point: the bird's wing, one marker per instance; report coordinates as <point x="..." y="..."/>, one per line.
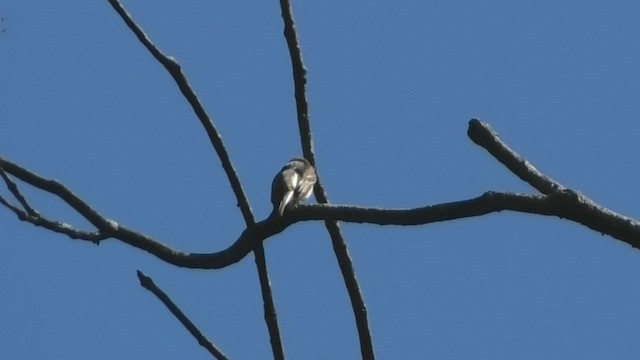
<point x="283" y="189"/>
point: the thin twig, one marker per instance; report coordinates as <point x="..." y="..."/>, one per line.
<point x="148" y="284"/>
<point x="175" y="71"/>
<point x="306" y="138"/>
<point x="55" y="226"/>
<point x="17" y="194"/>
<point x="56" y="188"/>
<point x="482" y="134"/>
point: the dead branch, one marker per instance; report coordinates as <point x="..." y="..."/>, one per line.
<point x="174" y="70"/>
<point x="147" y="283"/>
<point x="337" y="239"/>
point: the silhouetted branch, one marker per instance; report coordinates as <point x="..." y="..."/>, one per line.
<point x="306" y="138"/>
<point x="555" y="200"/>
<point x="148" y="284"/>
<point x="299" y="79"/>
<point x="482" y="134"/>
<point x="16" y="194"/>
<point x="269" y="309"/>
<point x="175" y="71"/>
<point x="55" y="226"/>
<point x="105" y="226"/>
<point x="566" y="203"/>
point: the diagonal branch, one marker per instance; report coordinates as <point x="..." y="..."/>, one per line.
<point x="339" y="245"/>
<point x="56" y="188"/>
<point x="56" y="226"/>
<point x="174" y="70"/>
<point x="148" y="284"/>
<point x="17" y="194"/>
<point x="482" y="134"/>
<point x="189" y="94"/>
<point x="31" y="215"/>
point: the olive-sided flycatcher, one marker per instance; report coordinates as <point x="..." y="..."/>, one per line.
<point x="292" y="185"/>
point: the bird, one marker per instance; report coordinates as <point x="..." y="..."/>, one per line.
<point x="292" y="185"/>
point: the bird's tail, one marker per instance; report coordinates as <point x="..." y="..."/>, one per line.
<point x="286" y="200"/>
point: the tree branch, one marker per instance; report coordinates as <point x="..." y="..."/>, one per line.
<point x="56" y="188"/>
<point x="55" y="226"/>
<point x="269" y="309"/>
<point x="148" y="284"/>
<point x="306" y="138"/>
<point x="17" y="194"/>
<point x="556" y="200"/>
<point x="566" y="204"/>
<point x="299" y="79"/>
<point x="482" y="134"/>
<point x="175" y="71"/>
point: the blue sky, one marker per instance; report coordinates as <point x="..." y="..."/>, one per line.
<point x="392" y="86"/>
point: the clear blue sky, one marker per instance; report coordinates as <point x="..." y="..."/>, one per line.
<point x="391" y="88"/>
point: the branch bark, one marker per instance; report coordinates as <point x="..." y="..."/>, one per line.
<point x="565" y="204"/>
<point x="337" y="239"/>
<point x="180" y="79"/>
<point x="147" y="283"/>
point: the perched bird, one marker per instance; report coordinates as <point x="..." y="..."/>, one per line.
<point x="292" y="185"/>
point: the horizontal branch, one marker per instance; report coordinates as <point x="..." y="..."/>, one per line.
<point x="565" y="204"/>
<point x="562" y="203"/>
<point x="55" y="226"/>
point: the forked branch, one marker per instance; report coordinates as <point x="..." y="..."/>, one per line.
<point x="567" y="204"/>
<point x="554" y="200"/>
<point x="180" y="79"/>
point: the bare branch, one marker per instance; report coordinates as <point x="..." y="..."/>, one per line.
<point x="353" y="289"/>
<point x="566" y="203"/>
<point x="55" y="226"/>
<point x="148" y="284"/>
<point x="299" y="79"/>
<point x="11" y="207"/>
<point x="482" y="134"/>
<point x="16" y="194"/>
<point x="189" y="94"/>
<point x="269" y="309"/>
<point x="175" y="71"/>
<point x="306" y="138"/>
<point x="56" y="188"/>
<point x="571" y="204"/>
